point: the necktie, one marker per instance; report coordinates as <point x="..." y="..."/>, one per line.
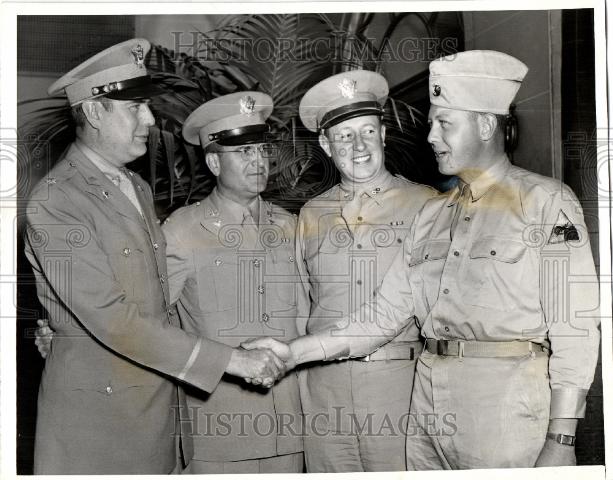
<point x="460" y="208"/>
<point x="351" y="210"/>
<point x="127" y="188"/>
<point x="250" y="230"/>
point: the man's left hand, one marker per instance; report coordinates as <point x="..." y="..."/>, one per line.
<point x="555" y="454"/>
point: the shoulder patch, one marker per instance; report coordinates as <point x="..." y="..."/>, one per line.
<point x="563" y="230"/>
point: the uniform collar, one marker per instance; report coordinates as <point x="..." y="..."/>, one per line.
<point x="370" y="189"/>
<point x="109" y="170"/>
<point x="232" y="212"/>
<point x="482" y="184"/>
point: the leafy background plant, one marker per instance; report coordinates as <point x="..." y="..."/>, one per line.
<point x="282" y="55"/>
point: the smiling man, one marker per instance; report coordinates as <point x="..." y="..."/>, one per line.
<point x="231" y="267"/>
<point x="356" y="410"/>
<point x="500" y="275"/>
<point x="105" y="402"/>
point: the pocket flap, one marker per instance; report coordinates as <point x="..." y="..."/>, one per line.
<point x="507" y="251"/>
<point x="432" y="250"/>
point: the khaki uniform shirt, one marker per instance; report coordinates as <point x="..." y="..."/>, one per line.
<point x="518" y="266"/>
<point x="235" y="280"/>
<point x="345" y="250"/>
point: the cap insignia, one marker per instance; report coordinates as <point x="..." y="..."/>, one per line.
<point x="347" y="87"/>
<point x="139" y="55"/>
<point x="247" y="105"/>
<point x="436" y="90"/>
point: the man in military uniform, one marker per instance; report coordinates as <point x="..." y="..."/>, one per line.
<point x="231" y="266"/>
<point x="356" y="410"/>
<point x="105" y="403"/>
<point x="500" y="275"/>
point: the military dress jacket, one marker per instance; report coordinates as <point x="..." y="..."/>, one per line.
<point x="505" y="258"/>
<point x="106" y="400"/>
<point x="233" y="282"/>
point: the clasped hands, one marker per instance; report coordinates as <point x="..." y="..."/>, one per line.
<point x="261" y="361"/>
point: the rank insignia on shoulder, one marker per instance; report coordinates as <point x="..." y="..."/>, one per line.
<point x="563" y="230"/>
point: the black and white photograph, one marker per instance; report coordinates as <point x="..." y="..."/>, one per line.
<point x="302" y="238"/>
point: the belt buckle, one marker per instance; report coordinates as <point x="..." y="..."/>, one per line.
<point x="442" y="347"/>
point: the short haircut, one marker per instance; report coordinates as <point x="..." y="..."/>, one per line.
<point x="212" y="148"/>
<point x="501" y="122"/>
<point x="78" y="115"/>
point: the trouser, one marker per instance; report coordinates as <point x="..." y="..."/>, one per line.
<point x="290" y="463"/>
<point x="356" y="415"/>
<point x="478" y="412"/>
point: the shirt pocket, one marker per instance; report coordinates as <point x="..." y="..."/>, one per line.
<point x="493" y="273"/>
<point x="281" y="275"/>
<point x="218" y="280"/>
<point x="430" y="251"/>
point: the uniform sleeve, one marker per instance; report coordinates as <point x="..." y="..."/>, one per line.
<point x="89" y="290"/>
<point x="179" y="264"/>
<point x="569" y="296"/>
<point x="376" y="322"/>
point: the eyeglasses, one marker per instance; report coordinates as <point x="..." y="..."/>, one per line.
<point x="250" y="152"/>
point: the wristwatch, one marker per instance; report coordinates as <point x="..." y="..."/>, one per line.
<point x="562" y="439"/>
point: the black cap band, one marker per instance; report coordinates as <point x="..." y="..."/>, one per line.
<point x="240" y="136"/>
<point x="130" y="89"/>
<point x="352" y="110"/>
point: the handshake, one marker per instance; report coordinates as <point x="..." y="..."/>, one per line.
<point x="261" y="361"/>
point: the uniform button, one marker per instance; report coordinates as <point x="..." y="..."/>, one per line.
<point x="155" y="246"/>
<point x="360" y="219"/>
<point x="467" y="218"/>
<point x="139" y="188"/>
<point x="261" y="290"/>
<point x="256" y="263"/>
<point x="359" y="245"/>
<point x="291" y="259"/>
<point x="265" y="317"/>
<point x="446" y="291"/>
<point x="126" y="251"/>
<point x="109" y="390"/>
<point x="493" y="252"/>
<point x="456" y="253"/>
<point x="218" y="261"/>
<point x="446" y="329"/>
<point x="426" y="256"/>
<point x="359" y="282"/>
<point x="197" y="203"/>
<point x="399" y="240"/>
<point x="170" y="311"/>
<point x="162" y="278"/>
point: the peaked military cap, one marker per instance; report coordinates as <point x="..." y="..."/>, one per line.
<point x="476" y="80"/>
<point x="118" y="72"/>
<point x="234" y="119"/>
<point x="343" y="96"/>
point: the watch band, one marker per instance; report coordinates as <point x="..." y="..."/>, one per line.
<point x="562" y="438"/>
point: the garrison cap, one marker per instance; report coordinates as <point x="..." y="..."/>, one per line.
<point x="118" y="72"/>
<point x="235" y="119"/>
<point x="476" y="80"/>
<point x="343" y="96"/>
